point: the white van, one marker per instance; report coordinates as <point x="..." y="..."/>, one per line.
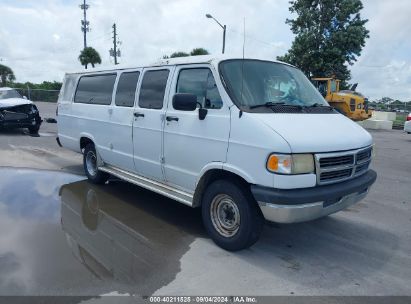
<point x="244" y="139"/>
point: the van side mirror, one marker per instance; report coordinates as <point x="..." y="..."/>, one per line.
<point x="188" y="102"/>
<point x="24" y="97"/>
<point x="184" y="102"/>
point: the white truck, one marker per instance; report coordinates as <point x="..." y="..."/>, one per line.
<point x="244" y="139"/>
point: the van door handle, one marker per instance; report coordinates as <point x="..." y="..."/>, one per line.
<point x="171" y="118"/>
<point x="137" y="114"/>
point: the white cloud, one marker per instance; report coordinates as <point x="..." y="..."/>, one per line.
<point x="41" y="39"/>
<point x="384" y="69"/>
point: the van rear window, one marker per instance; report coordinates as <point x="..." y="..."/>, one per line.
<point x="95" y="89"/>
<point x="66" y="92"/>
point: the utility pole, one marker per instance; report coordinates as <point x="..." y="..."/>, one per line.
<point x="84" y="23"/>
<point x="115" y="43"/>
<point x="115" y="52"/>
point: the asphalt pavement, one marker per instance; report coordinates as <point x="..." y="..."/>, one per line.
<point x="68" y="237"/>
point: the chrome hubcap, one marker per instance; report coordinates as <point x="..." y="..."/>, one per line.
<point x="225" y="215"/>
<point x="91" y="163"/>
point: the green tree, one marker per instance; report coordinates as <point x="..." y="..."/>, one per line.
<point x="6" y="75"/>
<point x="199" y="51"/>
<point x="194" y="52"/>
<point x="89" y="56"/>
<point x="179" y="54"/>
<point x="330" y="35"/>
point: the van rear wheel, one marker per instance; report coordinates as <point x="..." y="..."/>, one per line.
<point x="90" y="166"/>
<point x="231" y="216"/>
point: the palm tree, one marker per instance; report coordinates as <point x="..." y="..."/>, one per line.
<point x="89" y="56"/>
<point x="6" y="74"/>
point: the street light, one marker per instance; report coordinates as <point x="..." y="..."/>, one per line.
<point x="224" y="27"/>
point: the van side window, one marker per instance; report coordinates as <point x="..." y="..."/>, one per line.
<point x="126" y="89"/>
<point x="95" y="89"/>
<point x="153" y="89"/>
<point x="201" y="83"/>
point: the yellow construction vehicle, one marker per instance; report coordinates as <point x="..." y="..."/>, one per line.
<point x="348" y="102"/>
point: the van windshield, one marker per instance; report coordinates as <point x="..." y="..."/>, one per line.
<point x="259" y="86"/>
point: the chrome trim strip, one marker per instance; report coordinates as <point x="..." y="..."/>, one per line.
<point x="336" y="168"/>
<point x="163" y="189"/>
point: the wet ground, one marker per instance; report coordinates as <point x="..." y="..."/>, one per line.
<point x="65" y="236"/>
<point x="60" y="235"/>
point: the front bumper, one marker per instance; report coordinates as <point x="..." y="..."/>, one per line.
<point x="300" y="205"/>
<point x="31" y="121"/>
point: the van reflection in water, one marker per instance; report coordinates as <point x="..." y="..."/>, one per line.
<point x="123" y="233"/>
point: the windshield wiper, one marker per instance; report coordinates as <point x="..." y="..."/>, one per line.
<point x="273" y="105"/>
<point x="267" y="105"/>
<point x="276" y="104"/>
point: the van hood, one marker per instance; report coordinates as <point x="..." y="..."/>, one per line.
<point x="314" y="133"/>
<point x="12" y="102"/>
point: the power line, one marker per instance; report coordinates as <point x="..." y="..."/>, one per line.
<point x="101" y="36"/>
<point x="250" y="37"/>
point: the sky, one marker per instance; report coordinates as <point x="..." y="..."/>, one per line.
<point x="41" y="39"/>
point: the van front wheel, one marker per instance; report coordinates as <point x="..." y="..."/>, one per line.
<point x="231" y="216"/>
<point x="90" y="166"/>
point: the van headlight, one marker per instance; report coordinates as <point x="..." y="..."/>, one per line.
<point x="290" y="163"/>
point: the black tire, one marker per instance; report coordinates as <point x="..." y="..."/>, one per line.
<point x="34" y="129"/>
<point x="231" y="198"/>
<point x="90" y="166"/>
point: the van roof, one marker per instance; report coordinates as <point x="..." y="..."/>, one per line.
<point x="173" y="61"/>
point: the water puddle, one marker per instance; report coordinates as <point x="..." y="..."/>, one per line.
<point x="61" y="235"/>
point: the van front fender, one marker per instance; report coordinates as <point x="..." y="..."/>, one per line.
<point x="213" y="171"/>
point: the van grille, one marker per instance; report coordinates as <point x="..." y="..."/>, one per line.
<point x="335" y="175"/>
<point x="364" y="156"/>
<point x="337" y="167"/>
<point x="337" y="161"/>
<point x="362" y="168"/>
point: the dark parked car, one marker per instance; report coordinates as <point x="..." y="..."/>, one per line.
<point x="18" y="112"/>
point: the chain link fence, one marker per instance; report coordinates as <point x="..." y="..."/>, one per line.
<point x="39" y="94"/>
